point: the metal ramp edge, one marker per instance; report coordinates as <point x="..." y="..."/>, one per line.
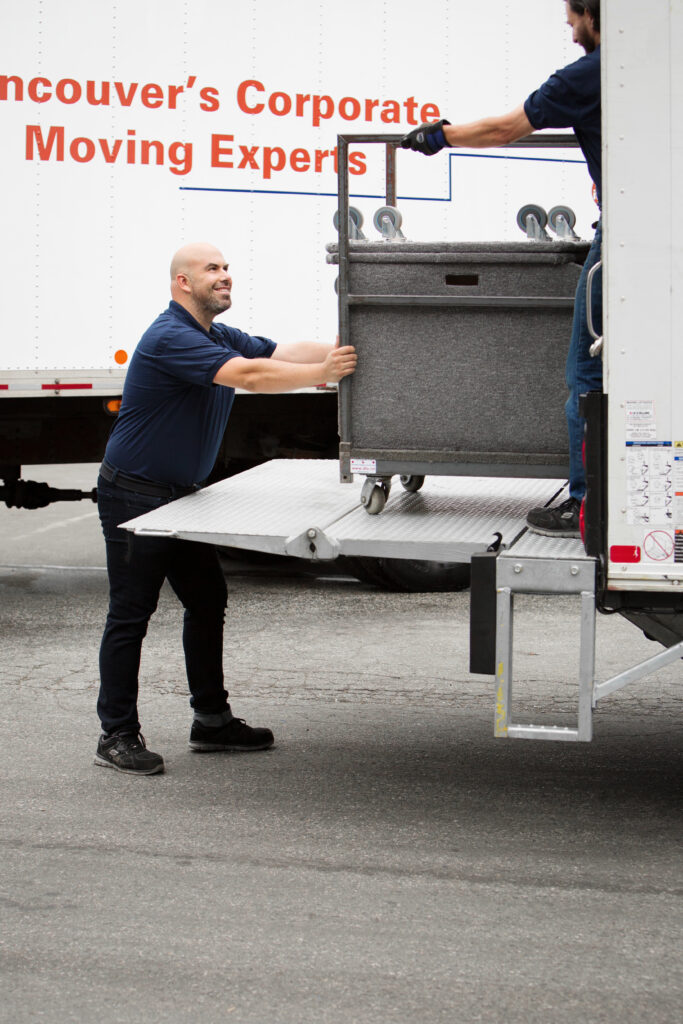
<point x="299" y="508"/>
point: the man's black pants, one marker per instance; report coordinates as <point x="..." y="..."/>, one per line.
<point x="137" y="568"/>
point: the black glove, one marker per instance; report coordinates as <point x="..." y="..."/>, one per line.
<point x="427" y="139"/>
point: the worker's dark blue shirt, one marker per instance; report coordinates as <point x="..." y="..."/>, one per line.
<point x="571" y="99"/>
<point x="173" y="416"/>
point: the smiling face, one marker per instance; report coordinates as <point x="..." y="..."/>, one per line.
<point x="583" y="29"/>
<point x="200" y="281"/>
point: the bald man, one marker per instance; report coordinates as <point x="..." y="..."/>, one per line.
<point x="176" y="402"/>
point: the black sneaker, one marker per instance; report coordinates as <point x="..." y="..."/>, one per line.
<point x="236" y="735"/>
<point x="126" y="751"/>
<point x="559" y="521"/>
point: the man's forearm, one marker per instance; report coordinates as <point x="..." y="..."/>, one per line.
<point x="489" y="131"/>
<point x="275" y="375"/>
<point x="302" y="352"/>
<point x="479" y="134"/>
<point x="271" y="376"/>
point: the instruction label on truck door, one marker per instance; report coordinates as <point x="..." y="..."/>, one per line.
<point x="678" y="484"/>
<point x="649" y="483"/>
<point x="641" y="424"/>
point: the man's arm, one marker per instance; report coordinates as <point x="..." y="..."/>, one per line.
<point x="302" y="352"/>
<point x="490" y="131"/>
<point x="486" y="133"/>
<point x="327" y="365"/>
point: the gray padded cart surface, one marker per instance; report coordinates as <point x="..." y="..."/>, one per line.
<point x="462" y="349"/>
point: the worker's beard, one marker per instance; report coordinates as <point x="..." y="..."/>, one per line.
<point x="586" y="38"/>
<point x="213" y="304"/>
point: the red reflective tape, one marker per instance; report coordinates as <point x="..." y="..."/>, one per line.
<point x="4" y="387"/>
<point x="66" y="387"/>
<point x="626" y="553"/>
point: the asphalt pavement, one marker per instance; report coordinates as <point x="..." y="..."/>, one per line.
<point x="387" y="862"/>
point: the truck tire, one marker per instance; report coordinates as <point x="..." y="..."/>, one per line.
<point x="410" y="575"/>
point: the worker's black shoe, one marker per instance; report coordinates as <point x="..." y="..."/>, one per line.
<point x="559" y="521"/>
<point x="235" y="735"/>
<point x="126" y="751"/>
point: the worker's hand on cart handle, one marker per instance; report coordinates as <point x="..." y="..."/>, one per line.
<point x="427" y="139"/>
<point x="339" y="363"/>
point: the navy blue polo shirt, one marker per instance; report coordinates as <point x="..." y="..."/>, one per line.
<point x="173" y="416"/>
<point x="571" y="99"/>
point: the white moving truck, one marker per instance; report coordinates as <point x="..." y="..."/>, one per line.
<point x="632" y="562"/>
<point x="129" y="129"/>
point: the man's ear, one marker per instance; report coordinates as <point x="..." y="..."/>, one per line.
<point x="183" y="282"/>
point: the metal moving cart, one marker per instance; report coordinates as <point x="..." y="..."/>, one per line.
<point x="432" y="323"/>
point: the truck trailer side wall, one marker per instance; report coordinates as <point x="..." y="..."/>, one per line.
<point x="128" y="131"/>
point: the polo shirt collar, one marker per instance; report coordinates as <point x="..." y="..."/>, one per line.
<point x="183" y="314"/>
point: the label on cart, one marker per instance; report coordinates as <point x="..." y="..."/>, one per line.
<point x="363" y="465"/>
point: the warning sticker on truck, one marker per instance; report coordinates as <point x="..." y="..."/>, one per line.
<point x="640" y="422"/>
<point x="658" y="546"/>
<point x="678" y="486"/>
<point x="649" y="484"/>
<point x="678" y="546"/>
<point x="629" y="554"/>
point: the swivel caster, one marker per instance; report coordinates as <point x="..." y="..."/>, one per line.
<point x="355" y="223"/>
<point x="412" y="483"/>
<point x="373" y="496"/>
<point x="562" y="220"/>
<point x="533" y="220"/>
<point x="388" y="222"/>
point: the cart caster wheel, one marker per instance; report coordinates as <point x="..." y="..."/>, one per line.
<point x="562" y="220"/>
<point x="388" y="222"/>
<point x="355" y="223"/>
<point x="533" y="220"/>
<point x="412" y="483"/>
<point x="373" y="496"/>
<point x="531" y="210"/>
<point x="561" y="211"/>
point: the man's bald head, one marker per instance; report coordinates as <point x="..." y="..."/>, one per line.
<point x="200" y="281"/>
<point x="193" y="255"/>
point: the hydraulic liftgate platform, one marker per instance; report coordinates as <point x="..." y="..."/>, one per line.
<point x="299" y="508"/>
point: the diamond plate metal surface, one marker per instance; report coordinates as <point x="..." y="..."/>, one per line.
<point x="449" y="519"/>
<point x="267" y="508"/>
<point x="263" y="506"/>
<point x="533" y="545"/>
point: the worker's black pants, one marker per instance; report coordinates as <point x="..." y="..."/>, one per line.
<point x="137" y="568"/>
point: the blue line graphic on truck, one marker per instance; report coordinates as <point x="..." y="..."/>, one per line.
<point x="364" y="195"/>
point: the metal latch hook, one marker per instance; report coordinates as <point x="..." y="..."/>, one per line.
<point x="597" y="346"/>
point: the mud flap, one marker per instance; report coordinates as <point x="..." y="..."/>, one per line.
<point x="483" y="613"/>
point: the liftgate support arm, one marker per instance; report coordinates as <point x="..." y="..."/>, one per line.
<point x="544" y="576"/>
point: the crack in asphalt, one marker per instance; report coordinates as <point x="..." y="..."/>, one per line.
<point x="322" y="866"/>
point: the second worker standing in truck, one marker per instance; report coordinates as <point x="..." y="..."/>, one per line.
<point x="570" y="98"/>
